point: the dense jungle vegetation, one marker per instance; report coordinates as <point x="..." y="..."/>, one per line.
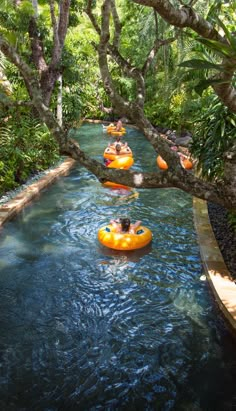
<point x="159" y="63"/>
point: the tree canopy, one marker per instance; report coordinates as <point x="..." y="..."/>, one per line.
<point x="140" y="65"/>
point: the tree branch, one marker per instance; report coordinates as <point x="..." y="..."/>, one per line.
<point x="182" y="17"/>
<point x="59" y="29"/>
<point x="153" y="52"/>
<point x="115" y="16"/>
<point x="36" y="46"/>
<point x="186" y="17"/>
<point x="56" y="43"/>
<point x="91" y="16"/>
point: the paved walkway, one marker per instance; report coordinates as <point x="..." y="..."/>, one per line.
<point x="224" y="288"/>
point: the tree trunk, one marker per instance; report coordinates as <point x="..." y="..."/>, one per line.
<point x="59" y="101"/>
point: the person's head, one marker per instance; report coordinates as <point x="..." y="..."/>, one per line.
<point x="118" y="139"/>
<point x="118" y="148"/>
<point x="125" y="224"/>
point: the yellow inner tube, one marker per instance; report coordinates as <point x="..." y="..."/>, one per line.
<point x="111" y="154"/>
<point x="122" y="162"/>
<point x="111" y="129"/>
<point x="124" y="241"/>
<point x="117" y="133"/>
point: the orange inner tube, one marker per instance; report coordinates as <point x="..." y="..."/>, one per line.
<point x="110" y="184"/>
<point x="111" y="153"/>
<point x="124" y="241"/>
<point x="185" y="163"/>
<point x="162" y="163"/>
<point x="123" y="163"/>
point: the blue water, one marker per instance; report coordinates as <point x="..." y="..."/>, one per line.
<point x="84" y="327"/>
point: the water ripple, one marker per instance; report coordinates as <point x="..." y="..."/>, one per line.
<point x="85" y="327"/>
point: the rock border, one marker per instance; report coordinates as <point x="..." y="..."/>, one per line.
<point x="220" y="280"/>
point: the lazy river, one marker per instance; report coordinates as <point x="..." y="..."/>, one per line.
<point x="84" y="327"/>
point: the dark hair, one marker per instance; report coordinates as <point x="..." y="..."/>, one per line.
<point x="118" y="147"/>
<point x="125" y="224"/>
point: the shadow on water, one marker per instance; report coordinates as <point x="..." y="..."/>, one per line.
<point x="84" y="327"/>
<point x="132" y="255"/>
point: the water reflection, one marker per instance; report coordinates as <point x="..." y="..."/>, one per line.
<point x="89" y="328"/>
<point x="128" y="256"/>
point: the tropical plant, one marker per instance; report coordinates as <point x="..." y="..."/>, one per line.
<point x="25" y="149"/>
<point x="215" y="133"/>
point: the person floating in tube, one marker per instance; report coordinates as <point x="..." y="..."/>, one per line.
<point x="123" y="225"/>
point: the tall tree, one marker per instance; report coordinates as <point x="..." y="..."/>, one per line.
<point x="40" y="84"/>
<point x="180" y="17"/>
<point x="50" y="71"/>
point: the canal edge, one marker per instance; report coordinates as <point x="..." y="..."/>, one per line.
<point x="218" y="275"/>
<point x="9" y="209"/>
<point x="220" y="280"/>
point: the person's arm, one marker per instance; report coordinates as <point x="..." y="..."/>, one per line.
<point x="115" y="224"/>
<point x="118" y="125"/>
<point x="182" y="156"/>
<point x="135" y="226"/>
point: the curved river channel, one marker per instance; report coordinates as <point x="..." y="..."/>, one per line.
<point x="84" y="327"/>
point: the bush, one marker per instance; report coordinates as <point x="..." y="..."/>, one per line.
<point x="26" y="148"/>
<point x="215" y="132"/>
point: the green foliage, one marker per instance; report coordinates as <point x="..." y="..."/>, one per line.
<point x="26" y="147"/>
<point x="215" y="132"/>
<point x="213" y="52"/>
<point x="222" y="49"/>
<point x="71" y="104"/>
<point x="200" y="64"/>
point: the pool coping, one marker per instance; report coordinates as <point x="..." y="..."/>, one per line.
<point x="218" y="275"/>
<point x="9" y="209"/>
<point x="220" y="280"/>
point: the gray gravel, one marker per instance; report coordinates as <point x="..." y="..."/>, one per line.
<point x="225" y="235"/>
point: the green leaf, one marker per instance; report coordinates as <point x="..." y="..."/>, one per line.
<point x="200" y="65"/>
<point x="204" y="84"/>
<point x="26" y="7"/>
<point x="231" y="39"/>
<point x="219" y="47"/>
<point x="222" y="131"/>
<point x="10" y="36"/>
<point x="231" y="120"/>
